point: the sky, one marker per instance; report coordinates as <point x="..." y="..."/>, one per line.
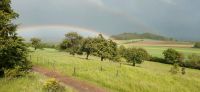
<point x="173" y="18"/>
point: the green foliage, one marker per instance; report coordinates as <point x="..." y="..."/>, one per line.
<point x="175" y="68"/>
<point x="36" y="43"/>
<point x="15" y="72"/>
<point x="105" y="48"/>
<point x="52" y="85"/>
<point x="173" y="56"/>
<point x="135" y="55"/>
<point x="13" y="51"/>
<point x="88" y="46"/>
<point x="72" y="43"/>
<point x="197" y="45"/>
<point x="183" y="70"/>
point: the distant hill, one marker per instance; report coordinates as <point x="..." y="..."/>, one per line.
<point x="129" y="36"/>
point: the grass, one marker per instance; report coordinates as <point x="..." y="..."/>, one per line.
<point x="33" y="82"/>
<point x="157" y="50"/>
<point x="148" y="77"/>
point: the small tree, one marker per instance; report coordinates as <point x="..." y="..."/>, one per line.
<point x="88" y="46"/>
<point x="105" y="48"/>
<point x="135" y="55"/>
<point x="35" y="42"/>
<point x="72" y="42"/>
<point x="172" y="56"/>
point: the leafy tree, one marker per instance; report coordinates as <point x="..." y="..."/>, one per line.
<point x="197" y="45"/>
<point x="135" y="55"/>
<point x="72" y="42"/>
<point x="36" y="42"/>
<point x="173" y="56"/>
<point x="113" y="51"/>
<point x="13" y="51"/>
<point x="88" y="46"/>
<point x="105" y="48"/>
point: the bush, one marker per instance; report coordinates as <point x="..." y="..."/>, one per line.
<point x="173" y="56"/>
<point x="197" y="45"/>
<point x="160" y="60"/>
<point x="175" y="69"/>
<point x="15" y="72"/>
<point x="52" y="85"/>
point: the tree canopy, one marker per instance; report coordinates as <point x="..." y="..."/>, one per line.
<point x="13" y="51"/>
<point x="36" y="42"/>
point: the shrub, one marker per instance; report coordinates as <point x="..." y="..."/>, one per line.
<point x="197" y="45"/>
<point x="14" y="72"/>
<point x="175" y="69"/>
<point x="173" y="56"/>
<point x="52" y="85"/>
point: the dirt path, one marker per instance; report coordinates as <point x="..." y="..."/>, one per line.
<point x="78" y="85"/>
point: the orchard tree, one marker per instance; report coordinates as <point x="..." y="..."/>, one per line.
<point x="13" y="51"/>
<point x="36" y="42"/>
<point x="73" y="42"/>
<point x="113" y="51"/>
<point x="88" y="46"/>
<point x="105" y="48"/>
<point x="135" y="55"/>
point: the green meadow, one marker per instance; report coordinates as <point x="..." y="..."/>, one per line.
<point x="158" y="50"/>
<point x="115" y="77"/>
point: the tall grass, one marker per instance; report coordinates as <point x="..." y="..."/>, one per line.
<point x="33" y="82"/>
<point x="148" y="77"/>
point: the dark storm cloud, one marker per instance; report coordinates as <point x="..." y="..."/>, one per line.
<point x="175" y="18"/>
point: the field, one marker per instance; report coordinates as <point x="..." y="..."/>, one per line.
<point x="156" y="48"/>
<point x="33" y="82"/>
<point x="147" y="77"/>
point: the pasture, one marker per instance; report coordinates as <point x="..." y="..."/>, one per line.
<point x="156" y="48"/>
<point x="147" y="77"/>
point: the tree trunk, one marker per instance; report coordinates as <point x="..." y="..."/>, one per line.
<point x="35" y="48"/>
<point x="133" y="63"/>
<point x="102" y="58"/>
<point x="87" y="57"/>
<point x="1" y="73"/>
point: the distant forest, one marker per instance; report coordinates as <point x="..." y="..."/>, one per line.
<point x="129" y="36"/>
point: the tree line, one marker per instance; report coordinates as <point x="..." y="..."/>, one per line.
<point x="101" y="47"/>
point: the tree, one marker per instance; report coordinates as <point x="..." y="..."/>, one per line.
<point x="88" y="46"/>
<point x="72" y="42"/>
<point x="105" y="48"/>
<point x="173" y="56"/>
<point x="36" y="42"/>
<point x="197" y="45"/>
<point x="13" y="51"/>
<point x="135" y="55"/>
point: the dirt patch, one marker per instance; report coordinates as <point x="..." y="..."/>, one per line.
<point x="80" y="86"/>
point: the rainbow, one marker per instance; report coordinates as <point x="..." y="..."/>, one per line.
<point x="67" y="27"/>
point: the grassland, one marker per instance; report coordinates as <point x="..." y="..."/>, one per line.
<point x="33" y="82"/>
<point x="156" y="48"/>
<point x="147" y="77"/>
